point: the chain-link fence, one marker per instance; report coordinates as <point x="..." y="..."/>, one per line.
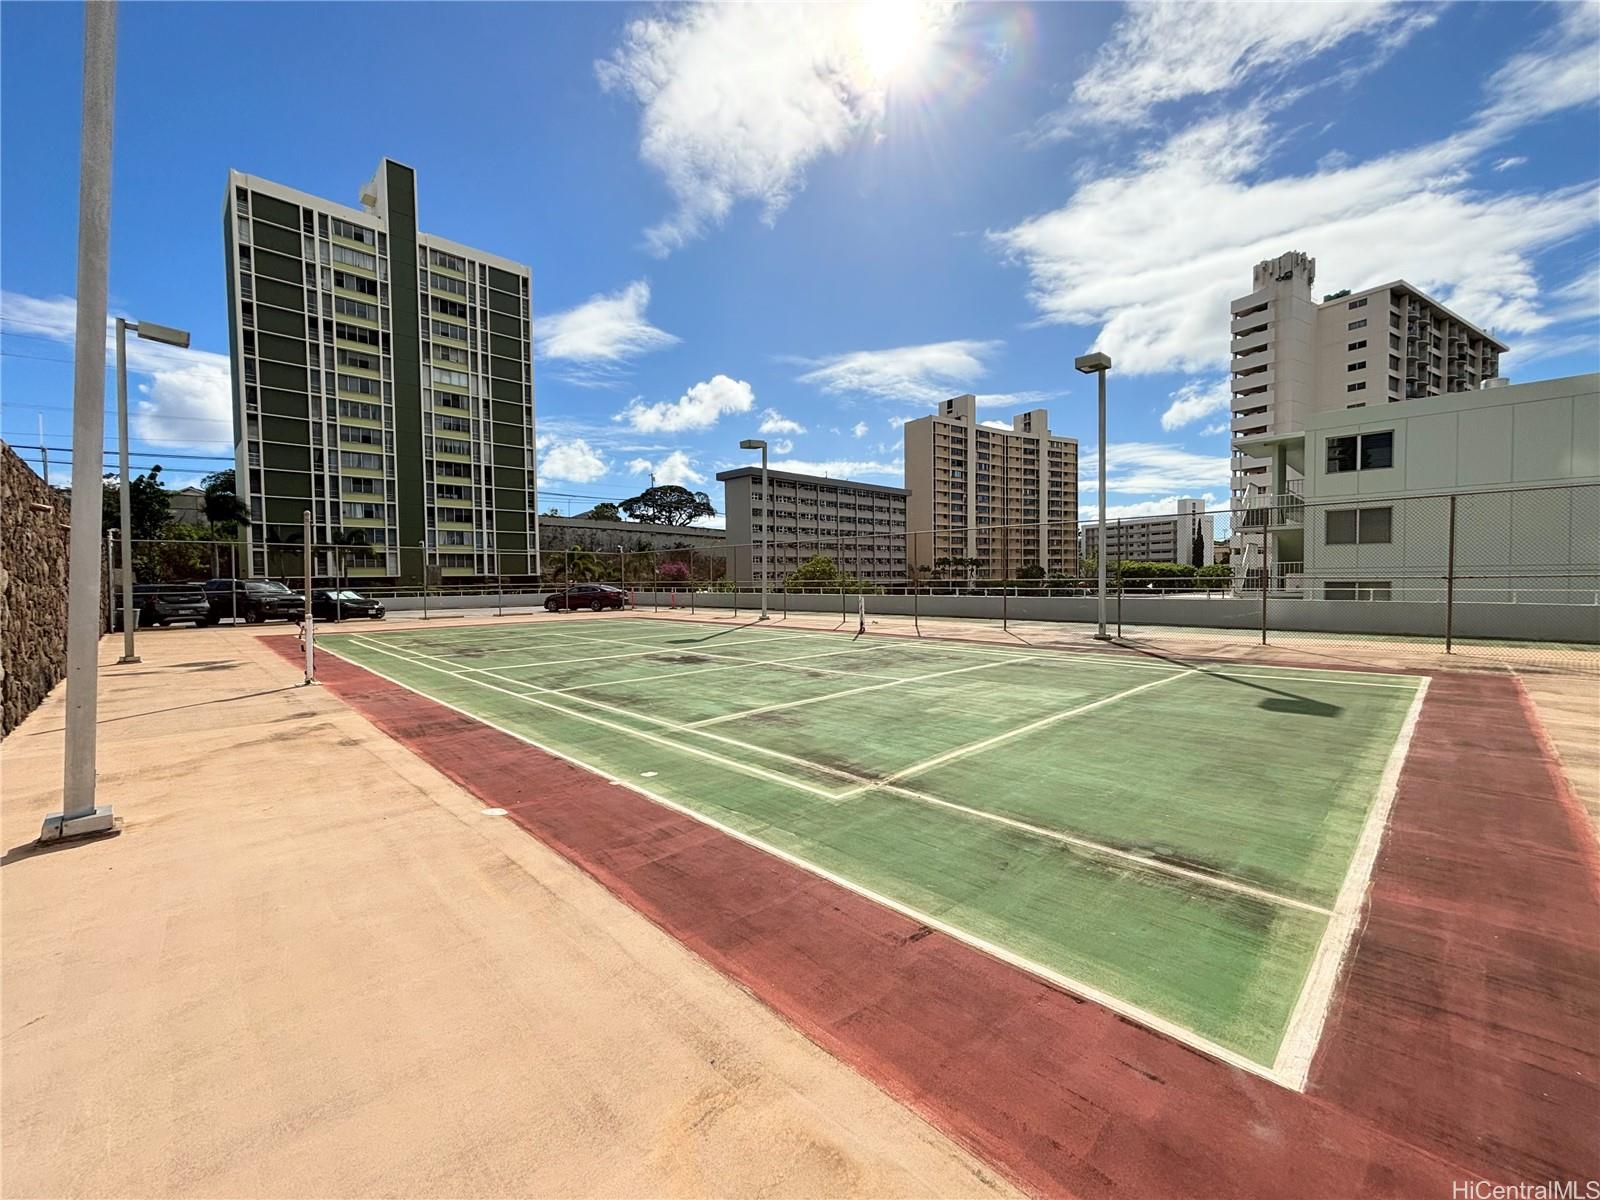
<point x="1511" y="567"/>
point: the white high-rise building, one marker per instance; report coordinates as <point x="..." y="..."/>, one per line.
<point x="1294" y="356"/>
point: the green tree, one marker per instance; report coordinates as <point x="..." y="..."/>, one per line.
<point x="821" y="573"/>
<point x="224" y="511"/>
<point x="604" y="511"/>
<point x="150" y="508"/>
<point x="180" y="554"/>
<point x="668" y="504"/>
<point x="1030" y="571"/>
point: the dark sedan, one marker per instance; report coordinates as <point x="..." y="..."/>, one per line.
<point x="593" y="596"/>
<point x="337" y="604"/>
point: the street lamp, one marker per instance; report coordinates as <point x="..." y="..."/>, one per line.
<point x="1099" y="364"/>
<point x="766" y="515"/>
<point x="167" y="336"/>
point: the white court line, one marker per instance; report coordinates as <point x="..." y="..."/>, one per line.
<point x="645" y="734"/>
<point x="1304" y="1031"/>
<point x="732" y="660"/>
<point x="734" y="665"/>
<point x="871" y="687"/>
<point x="1101" y="848"/>
<point x="939" y="760"/>
<point x="1049" y="975"/>
<point x="560" y="662"/>
<point x="870" y="785"/>
<point x="1332" y="675"/>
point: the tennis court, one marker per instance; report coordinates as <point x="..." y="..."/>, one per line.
<point x="1186" y="843"/>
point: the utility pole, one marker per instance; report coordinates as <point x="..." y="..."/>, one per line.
<point x="80" y="815"/>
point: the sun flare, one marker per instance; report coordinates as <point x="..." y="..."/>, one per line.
<point x="893" y="37"/>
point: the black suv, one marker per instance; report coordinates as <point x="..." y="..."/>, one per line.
<point x="256" y="600"/>
<point x="595" y="596"/>
<point x="166" y="603"/>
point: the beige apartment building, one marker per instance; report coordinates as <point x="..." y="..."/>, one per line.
<point x="860" y="526"/>
<point x="1006" y="497"/>
<point x="1294" y="357"/>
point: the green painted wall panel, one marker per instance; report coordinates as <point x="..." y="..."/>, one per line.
<point x="276" y="320"/>
<point x="270" y="237"/>
<point x="506" y="389"/>
<point x="288" y="483"/>
<point x="508" y="369"/>
<point x="284" y="429"/>
<point x="505" y="281"/>
<point x="277" y="266"/>
<point x="502" y="324"/>
<point x="502" y="303"/>
<point x="270" y="291"/>
<point x="406" y="344"/>
<point x="273" y="209"/>
<point x="281" y="348"/>
<point x="285" y="458"/>
<point x="284" y="404"/>
<point x="279" y="375"/>
<point x="508" y="456"/>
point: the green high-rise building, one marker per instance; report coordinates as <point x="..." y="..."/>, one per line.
<point x="383" y="379"/>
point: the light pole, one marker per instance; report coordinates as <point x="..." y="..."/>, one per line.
<point x="167" y="336"/>
<point x="766" y="515"/>
<point x="1099" y="364"/>
<point x="79" y="814"/>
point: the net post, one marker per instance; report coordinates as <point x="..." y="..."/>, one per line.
<point x="308" y="620"/>
<point x="916" y="614"/>
<point x="1450" y="582"/>
<point x="785" y="604"/>
<point x="861" y="610"/>
<point x="1264" y="569"/>
<point x="1119" y="585"/>
<point x="1005" y="616"/>
<point x="499" y="588"/>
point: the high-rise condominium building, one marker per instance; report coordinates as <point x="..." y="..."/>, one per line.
<point x="1293" y="356"/>
<point x="1185" y="536"/>
<point x="383" y="379"/>
<point x="1006" y="497"/>
<point x="860" y="526"/>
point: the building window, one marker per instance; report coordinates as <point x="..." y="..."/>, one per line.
<point x="1361" y="345"/>
<point x="1356" y="366"/>
<point x="355" y="283"/>
<point x="1361" y="324"/>
<point x="354" y="233"/>
<point x="1358" y="526"/>
<point x="355" y="258"/>
<point x="1355" y="387"/>
<point x="1361" y="303"/>
<point x="347" y="307"/>
<point x="1374" y="589"/>
<point x="1377" y="450"/>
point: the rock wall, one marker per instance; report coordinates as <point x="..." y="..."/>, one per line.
<point x="33" y="588"/>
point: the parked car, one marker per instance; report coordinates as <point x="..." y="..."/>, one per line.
<point x="594" y="596"/>
<point x="165" y="604"/>
<point x="253" y="600"/>
<point x="335" y="604"/>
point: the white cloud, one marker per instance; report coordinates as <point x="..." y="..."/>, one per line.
<point x="1187" y="220"/>
<point x="859" y="429"/>
<point x="773" y="421"/>
<point x="995" y="424"/>
<point x="1196" y="400"/>
<point x="841" y="468"/>
<point x="573" y="461"/>
<point x="916" y="374"/>
<point x="1515" y="160"/>
<point x="605" y="328"/>
<point x="698" y="408"/>
<point x="676" y="468"/>
<point x="187" y="399"/>
<point x="738" y="100"/>
<point x="1147" y="467"/>
<point x="1162" y="52"/>
<point x="783" y="446"/>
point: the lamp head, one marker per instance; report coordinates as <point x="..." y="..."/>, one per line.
<point x="752" y="444"/>
<point x="166" y="334"/>
<point x="1090" y="363"/>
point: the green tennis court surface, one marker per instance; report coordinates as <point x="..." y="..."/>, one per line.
<point x="1187" y="844"/>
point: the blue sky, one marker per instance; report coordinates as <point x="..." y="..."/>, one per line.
<point x="820" y="221"/>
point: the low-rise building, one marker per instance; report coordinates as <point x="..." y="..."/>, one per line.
<point x="1186" y="536"/>
<point x="1498" y="488"/>
<point x="860" y="526"/>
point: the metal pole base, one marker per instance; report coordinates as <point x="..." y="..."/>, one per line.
<point x="129" y="658"/>
<point x="763" y="617"/>
<point x="58" y="827"/>
<point x="1103" y="637"/>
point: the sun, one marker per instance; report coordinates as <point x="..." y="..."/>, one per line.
<point x="892" y="37"/>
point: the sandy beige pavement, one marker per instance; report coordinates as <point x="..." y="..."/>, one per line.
<point x="311" y="966"/>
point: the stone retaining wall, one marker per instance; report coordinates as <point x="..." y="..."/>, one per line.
<point x="33" y="588"/>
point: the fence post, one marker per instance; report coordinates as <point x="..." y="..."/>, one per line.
<point x="785" y="604"/>
<point x="1450" y="581"/>
<point x="843" y="615"/>
<point x="499" y="589"/>
<point x="916" y="615"/>
<point x="1264" y="571"/>
<point x="1119" y="597"/>
<point x="1005" y="619"/>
